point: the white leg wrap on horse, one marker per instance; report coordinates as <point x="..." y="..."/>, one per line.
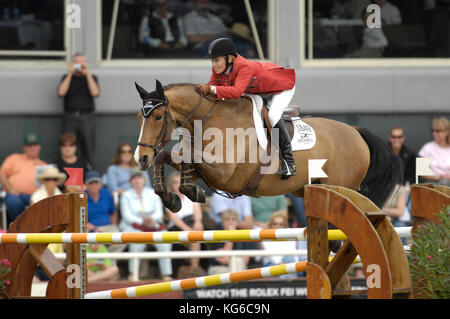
<point x="278" y="104"/>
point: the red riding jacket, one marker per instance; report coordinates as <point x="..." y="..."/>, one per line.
<point x="268" y="78"/>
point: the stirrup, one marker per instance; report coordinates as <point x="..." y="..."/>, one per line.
<point x="286" y="170"/>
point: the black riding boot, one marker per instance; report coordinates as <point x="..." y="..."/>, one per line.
<point x="287" y="168"/>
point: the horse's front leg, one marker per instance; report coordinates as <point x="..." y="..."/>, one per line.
<point x="194" y="192"/>
<point x="169" y="199"/>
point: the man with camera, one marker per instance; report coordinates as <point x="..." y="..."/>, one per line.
<point x="79" y="87"/>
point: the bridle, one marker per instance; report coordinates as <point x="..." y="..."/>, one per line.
<point x="149" y="107"/>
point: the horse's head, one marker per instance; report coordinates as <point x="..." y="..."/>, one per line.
<point x="154" y="121"/>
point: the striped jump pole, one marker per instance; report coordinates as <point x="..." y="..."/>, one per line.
<point x="155" y="237"/>
<point x="199" y="282"/>
<point x="299" y="234"/>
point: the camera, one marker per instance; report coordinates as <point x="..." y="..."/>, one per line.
<point x="77" y="67"/>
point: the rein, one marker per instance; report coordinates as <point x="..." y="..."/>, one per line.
<point x="160" y="143"/>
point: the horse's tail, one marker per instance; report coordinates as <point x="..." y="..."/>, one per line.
<point x="385" y="169"/>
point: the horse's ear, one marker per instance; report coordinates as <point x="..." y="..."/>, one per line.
<point x="159" y="88"/>
<point x="142" y="92"/>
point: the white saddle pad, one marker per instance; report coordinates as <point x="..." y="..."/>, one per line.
<point x="304" y="136"/>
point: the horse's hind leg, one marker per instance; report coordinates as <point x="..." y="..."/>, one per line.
<point x="194" y="192"/>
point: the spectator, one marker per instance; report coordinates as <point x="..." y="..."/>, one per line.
<point x="374" y="41"/>
<point x="279" y="220"/>
<point x="201" y="27"/>
<point x="18" y="173"/>
<point x="298" y="205"/>
<point x="49" y="179"/>
<point x="68" y="158"/>
<point x="188" y="218"/>
<point x="395" y="206"/>
<point x="222" y="265"/>
<point x="242" y="205"/>
<point x="142" y="210"/>
<point x="408" y="157"/>
<point x="118" y="173"/>
<point x="79" y="87"/>
<point x="348" y="9"/>
<point x="439" y="150"/>
<point x="100" y="269"/>
<point x="264" y="206"/>
<point x="161" y="29"/>
<point x="102" y="215"/>
<point x="390" y="14"/>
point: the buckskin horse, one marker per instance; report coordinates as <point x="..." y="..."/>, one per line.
<point x="356" y="158"/>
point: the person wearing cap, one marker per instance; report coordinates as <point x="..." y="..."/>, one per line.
<point x="18" y="173"/>
<point x="142" y="210"/>
<point x="233" y="75"/>
<point x="101" y="208"/>
<point x="50" y="178"/>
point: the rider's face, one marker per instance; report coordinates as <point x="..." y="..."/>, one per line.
<point x="219" y="64"/>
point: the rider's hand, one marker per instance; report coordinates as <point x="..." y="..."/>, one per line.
<point x="204" y="88"/>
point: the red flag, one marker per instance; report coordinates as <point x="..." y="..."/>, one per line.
<point x="75" y="176"/>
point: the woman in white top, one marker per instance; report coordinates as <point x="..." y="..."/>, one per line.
<point x="279" y="220"/>
<point x="142" y="209"/>
<point x="188" y="218"/>
<point x="50" y="178"/>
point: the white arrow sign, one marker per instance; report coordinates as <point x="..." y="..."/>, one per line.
<point x="315" y="169"/>
<point x="423" y="167"/>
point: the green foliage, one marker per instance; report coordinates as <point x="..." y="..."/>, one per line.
<point x="430" y="258"/>
<point x="5" y="268"/>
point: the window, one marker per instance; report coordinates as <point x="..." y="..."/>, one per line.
<point x="32" y="29"/>
<point x="409" y="29"/>
<point x="178" y="29"/>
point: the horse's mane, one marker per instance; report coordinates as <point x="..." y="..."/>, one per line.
<point x="172" y="85"/>
<point x="169" y="86"/>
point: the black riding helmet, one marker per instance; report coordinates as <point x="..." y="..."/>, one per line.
<point x="222" y="47"/>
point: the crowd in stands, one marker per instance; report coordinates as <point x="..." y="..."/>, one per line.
<point x="123" y="199"/>
<point x="27" y="179"/>
<point x="348" y="28"/>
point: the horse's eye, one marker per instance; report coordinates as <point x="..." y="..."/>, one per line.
<point x="158" y="117"/>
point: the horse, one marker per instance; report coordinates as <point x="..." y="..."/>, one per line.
<point x="356" y="158"/>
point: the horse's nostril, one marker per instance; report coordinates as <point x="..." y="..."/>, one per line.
<point x="143" y="160"/>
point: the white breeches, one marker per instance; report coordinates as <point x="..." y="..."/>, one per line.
<point x="278" y="104"/>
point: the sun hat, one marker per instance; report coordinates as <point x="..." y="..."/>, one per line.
<point x="51" y="172"/>
<point x="242" y="31"/>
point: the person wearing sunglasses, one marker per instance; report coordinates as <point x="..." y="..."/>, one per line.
<point x="68" y="158"/>
<point x="118" y="173"/>
<point x="49" y="179"/>
<point x="408" y="157"/>
<point x="439" y="150"/>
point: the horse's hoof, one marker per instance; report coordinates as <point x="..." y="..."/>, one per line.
<point x="194" y="192"/>
<point x="172" y="202"/>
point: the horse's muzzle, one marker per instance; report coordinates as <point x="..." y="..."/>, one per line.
<point x="143" y="161"/>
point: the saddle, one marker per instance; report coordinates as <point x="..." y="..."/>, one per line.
<point x="286" y="117"/>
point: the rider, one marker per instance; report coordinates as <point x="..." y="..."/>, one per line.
<point x="233" y="75"/>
